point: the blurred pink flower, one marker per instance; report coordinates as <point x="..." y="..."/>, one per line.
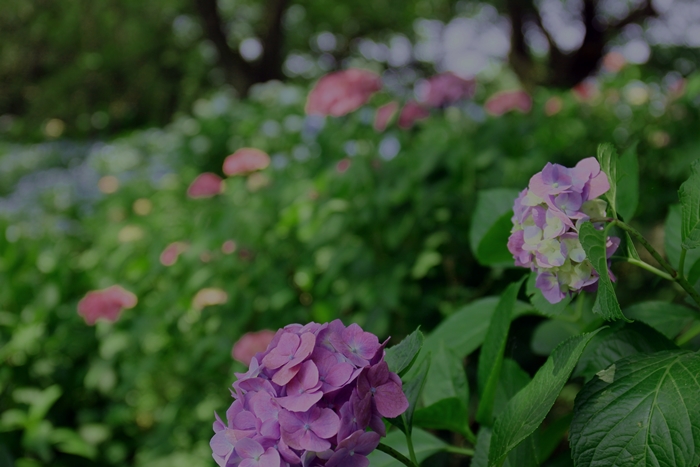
<point x="505" y="101"/>
<point x="205" y="185"/>
<point x="384" y="114"/>
<point x="169" y="256"/>
<point x="342" y="165"/>
<point x="342" y="92"/>
<point x="245" y="160"/>
<point x="251" y="343"/>
<point x="105" y="303"/>
<point x="553" y="106"/>
<point x="228" y="247"/>
<point x="411" y="113"/>
<point x="586" y="90"/>
<point x="445" y="89"/>
<point x="613" y="62"/>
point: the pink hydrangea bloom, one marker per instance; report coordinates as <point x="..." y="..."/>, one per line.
<point x="411" y="113"/>
<point x="546" y="218"/>
<point x="205" y="185"/>
<point x="245" y="160"/>
<point x="308" y="398"/>
<point x="341" y="92"/>
<point x="105" y="304"/>
<point x="445" y="89"/>
<point x="384" y="114"/>
<point x="172" y="252"/>
<point x="506" y="101"/>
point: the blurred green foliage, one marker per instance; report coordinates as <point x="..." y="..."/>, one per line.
<point x="383" y="242"/>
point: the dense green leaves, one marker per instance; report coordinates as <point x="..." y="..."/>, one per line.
<point x="529" y="407"/>
<point x="491" y="356"/>
<point x="608" y="159"/>
<point x="618" y="341"/>
<point x="401" y="356"/>
<point x="646" y="413"/>
<point x="669" y="319"/>
<point x="593" y="242"/>
<point x="689" y="195"/>
<point x="490" y="226"/>
<point x="673" y="241"/>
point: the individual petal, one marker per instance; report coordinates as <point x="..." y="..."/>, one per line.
<point x="326" y="425"/>
<point x="598" y="185"/>
<point x="249" y="449"/>
<point x="220" y="444"/>
<point x="271" y="458"/>
<point x="390" y="399"/>
<point x="301" y="402"/>
<point x="283" y="352"/>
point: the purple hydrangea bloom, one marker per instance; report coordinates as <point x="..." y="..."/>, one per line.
<point x="546" y="217"/>
<point x="308" y="399"/>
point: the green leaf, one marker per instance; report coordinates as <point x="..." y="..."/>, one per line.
<point x="607" y="157"/>
<point x="549" y="334"/>
<point x="490" y="226"/>
<point x="401" y="356"/>
<point x="672" y="241"/>
<point x="627" y="183"/>
<point x="70" y="442"/>
<point x="524" y="455"/>
<point x="528" y="408"/>
<point x="667" y="318"/>
<point x="540" y="303"/>
<point x="648" y="416"/>
<point x="446" y="378"/>
<point x="689" y="195"/>
<point x="512" y="380"/>
<point x="491" y="356"/>
<point x="445" y="414"/>
<point x="619" y="341"/>
<point x="424" y="445"/>
<point x="412" y="388"/>
<point x="593" y="242"/>
<point x="464" y="331"/>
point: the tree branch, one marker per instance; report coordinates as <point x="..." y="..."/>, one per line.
<point x="634" y="17"/>
<point x="270" y="65"/>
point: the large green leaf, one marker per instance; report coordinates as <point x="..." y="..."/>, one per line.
<point x="689" y="195"/>
<point x="464" y="331"/>
<point x="524" y="455"/>
<point x="669" y="319"/>
<point x="512" y="380"/>
<point x="593" y="242"/>
<point x="627" y="183"/>
<point x="549" y="334"/>
<point x="607" y="156"/>
<point x="424" y="444"/>
<point x="401" y="356"/>
<point x="618" y="341"/>
<point x="645" y="412"/>
<point x="446" y="378"/>
<point x="490" y="227"/>
<point x="526" y="411"/>
<point x="491" y="356"/>
<point x="672" y="241"/>
<point x="446" y="414"/>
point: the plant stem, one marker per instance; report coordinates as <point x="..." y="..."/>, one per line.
<point x="458" y="450"/>
<point x="411" y="452"/>
<point x="678" y="278"/>
<point x="688" y="335"/>
<point x="649" y="268"/>
<point x="396" y="455"/>
<point x="681" y="263"/>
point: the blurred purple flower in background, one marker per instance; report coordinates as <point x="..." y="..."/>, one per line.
<point x="308" y="399"/>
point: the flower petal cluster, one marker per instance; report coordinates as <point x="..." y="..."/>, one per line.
<point x="308" y="399"/>
<point x="546" y="219"/>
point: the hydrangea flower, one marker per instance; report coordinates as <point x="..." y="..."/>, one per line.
<point x="546" y="219"/>
<point x="308" y="400"/>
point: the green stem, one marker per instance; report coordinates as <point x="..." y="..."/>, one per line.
<point x="681" y="263"/>
<point x="688" y="335"/>
<point x="396" y="455"/>
<point x="678" y="278"/>
<point x="458" y="450"/>
<point x="411" y="452"/>
<point x="649" y="268"/>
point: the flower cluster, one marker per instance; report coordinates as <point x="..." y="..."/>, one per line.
<point x="547" y="216"/>
<point x="308" y="400"/>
